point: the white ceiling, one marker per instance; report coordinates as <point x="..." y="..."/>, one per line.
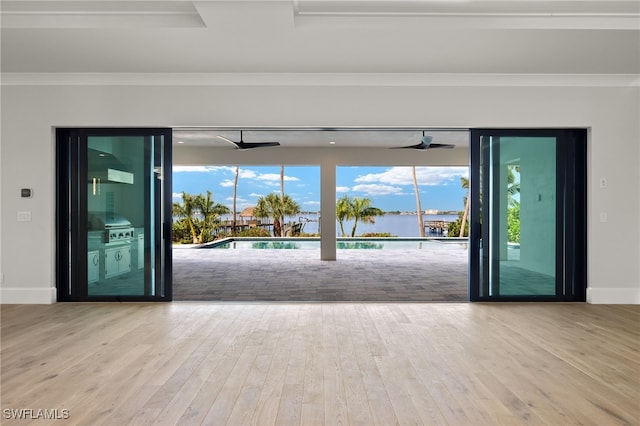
<point x="319" y="138"/>
<point x="474" y="36"/>
<point x="325" y="39"/>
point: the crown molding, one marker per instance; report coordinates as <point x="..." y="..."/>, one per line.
<point x="521" y="14"/>
<point x="99" y="14"/>
<point x="320" y="79"/>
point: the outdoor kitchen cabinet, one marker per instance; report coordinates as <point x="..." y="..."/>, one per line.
<point x="93" y="266"/>
<point x="117" y="261"/>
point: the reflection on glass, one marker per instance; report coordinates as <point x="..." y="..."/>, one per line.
<point x="117" y="210"/>
<point x="522" y="216"/>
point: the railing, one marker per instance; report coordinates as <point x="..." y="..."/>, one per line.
<point x="227" y="225"/>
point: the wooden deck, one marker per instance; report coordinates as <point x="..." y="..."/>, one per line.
<point x="322" y="363"/>
<point x="436" y="226"/>
<point x="241" y="225"/>
<point x="227" y="226"/>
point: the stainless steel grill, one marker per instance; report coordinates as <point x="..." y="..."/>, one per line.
<point x="117" y="228"/>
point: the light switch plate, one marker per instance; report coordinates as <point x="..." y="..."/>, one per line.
<point x="24" y="216"/>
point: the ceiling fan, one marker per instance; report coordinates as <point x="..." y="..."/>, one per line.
<point x="425" y="143"/>
<point x="242" y="145"/>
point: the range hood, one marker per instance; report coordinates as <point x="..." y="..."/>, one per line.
<point x="106" y="168"/>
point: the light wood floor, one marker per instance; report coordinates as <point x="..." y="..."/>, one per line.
<point x="322" y="363"/>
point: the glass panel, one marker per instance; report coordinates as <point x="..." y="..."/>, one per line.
<point x="521" y="228"/>
<point x="120" y="221"/>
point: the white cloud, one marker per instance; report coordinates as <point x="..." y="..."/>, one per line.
<point x="311" y="203"/>
<point x="254" y="194"/>
<point x="200" y="169"/>
<point x="226" y="183"/>
<point x="245" y="173"/>
<point x="342" y="189"/>
<point x="177" y="195"/>
<point x="377" y="189"/>
<point x="275" y="177"/>
<point x="242" y="173"/>
<point x="431" y="176"/>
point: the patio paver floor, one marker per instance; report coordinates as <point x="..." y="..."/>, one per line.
<point x="300" y="275"/>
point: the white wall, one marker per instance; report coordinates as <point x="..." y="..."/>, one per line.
<point x="30" y="112"/>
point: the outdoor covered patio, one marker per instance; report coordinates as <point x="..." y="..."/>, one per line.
<point x="299" y="275"/>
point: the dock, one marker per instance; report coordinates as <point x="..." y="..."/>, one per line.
<point x="241" y="225"/>
<point x="436" y="226"/>
<point x="292" y="228"/>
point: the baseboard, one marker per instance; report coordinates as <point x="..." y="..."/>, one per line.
<point x="613" y="296"/>
<point x="13" y="295"/>
<point x="28" y="296"/>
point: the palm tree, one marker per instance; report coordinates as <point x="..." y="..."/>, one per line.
<point x="282" y="191"/>
<point x="361" y="209"/>
<point x="210" y="212"/>
<point x="418" y="204"/>
<point x="358" y="209"/>
<point x="343" y="211"/>
<point x="465" y="184"/>
<point x="186" y="210"/>
<point x="513" y="203"/>
<point x="235" y="192"/>
<point x="513" y="184"/>
<point x="274" y="207"/>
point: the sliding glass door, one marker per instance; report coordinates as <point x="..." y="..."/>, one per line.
<point x="114" y="207"/>
<point x="528" y="208"/>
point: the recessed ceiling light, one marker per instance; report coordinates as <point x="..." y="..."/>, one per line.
<point x="180" y="142"/>
<point x="332" y="142"/>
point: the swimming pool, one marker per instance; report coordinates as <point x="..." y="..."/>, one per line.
<point x="341" y="244"/>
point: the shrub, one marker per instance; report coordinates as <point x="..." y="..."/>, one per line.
<point x="180" y="232"/>
<point x="513" y="223"/>
<point x="377" y="235"/>
<point x="454" y="227"/>
<point x="254" y="232"/>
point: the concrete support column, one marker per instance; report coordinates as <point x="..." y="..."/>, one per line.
<point x="328" y="210"/>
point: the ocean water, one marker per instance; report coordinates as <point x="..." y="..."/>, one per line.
<point x="395" y="224"/>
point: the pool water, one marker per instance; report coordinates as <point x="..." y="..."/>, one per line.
<point x="369" y="244"/>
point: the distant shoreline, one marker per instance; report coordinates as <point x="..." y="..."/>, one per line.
<point x="398" y="213"/>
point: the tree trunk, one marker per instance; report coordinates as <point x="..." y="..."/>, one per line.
<point x="194" y="236"/>
<point x="235" y="191"/>
<point x="418" y="204"/>
<point x="464" y="217"/>
<point x="355" y="224"/>
<point x="282" y="195"/>
<point x="277" y="229"/>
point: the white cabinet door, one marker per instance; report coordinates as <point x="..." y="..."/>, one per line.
<point x="93" y="266"/>
<point x="117" y="261"/>
<point x="125" y="260"/>
<point x="140" y="251"/>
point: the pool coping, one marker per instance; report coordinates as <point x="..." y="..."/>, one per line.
<point x="223" y="241"/>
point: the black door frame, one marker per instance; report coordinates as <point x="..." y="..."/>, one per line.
<point x="571" y="215"/>
<point x="71" y="218"/>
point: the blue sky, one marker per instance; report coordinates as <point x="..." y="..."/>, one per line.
<point x="389" y="188"/>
